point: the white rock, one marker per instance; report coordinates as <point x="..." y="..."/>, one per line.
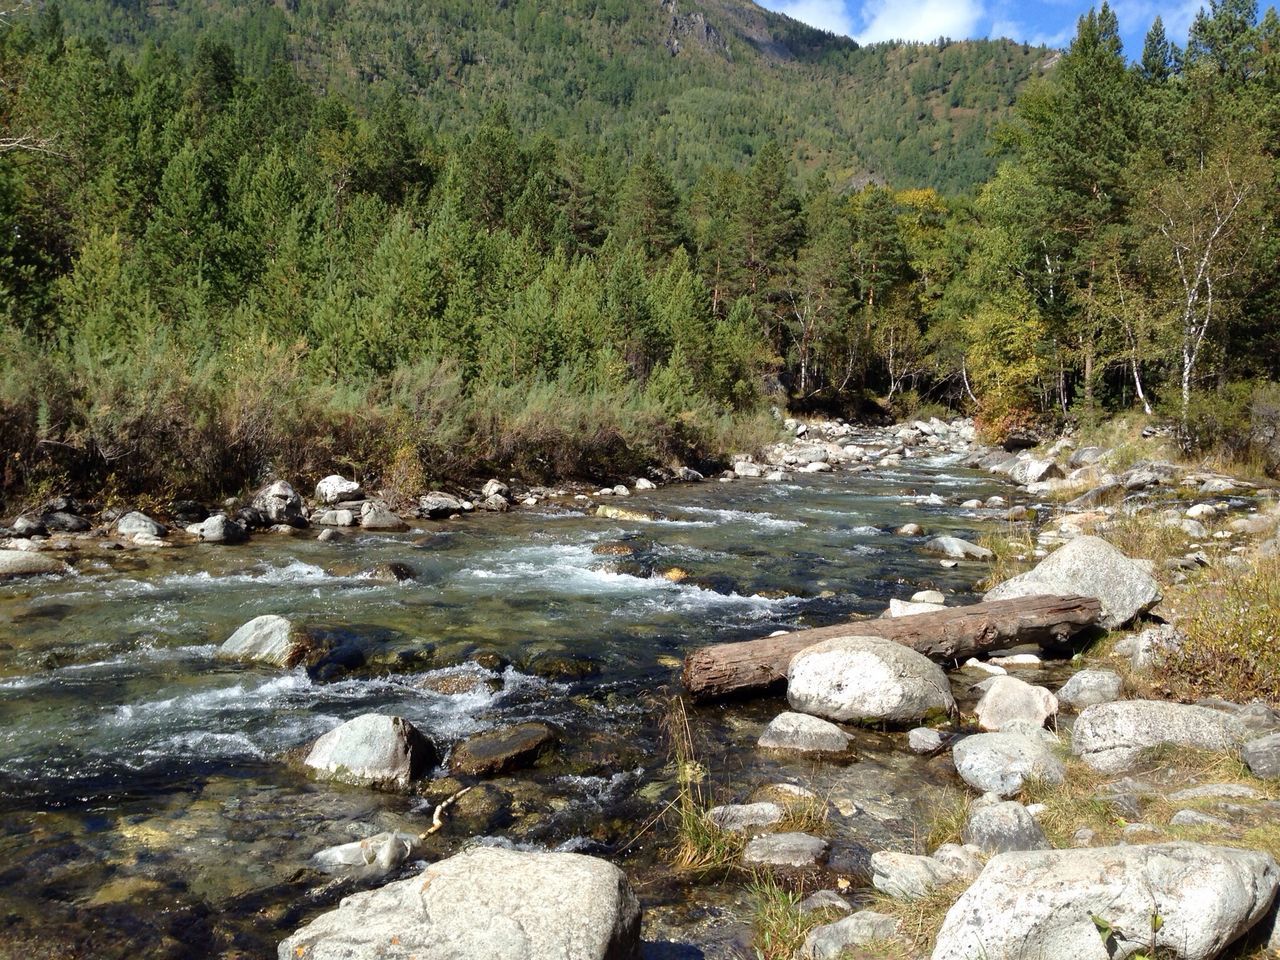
<point x="1112" y="736"/>
<point x="137" y="524"/>
<point x="1088" y="687"/>
<point x="24" y="563"/>
<point x="903" y="608"/>
<point x="336" y="489"/>
<point x="804" y="734"/>
<point x="643" y="484"/>
<point x="373" y="750"/>
<point x="907" y="876"/>
<point x="268" y="639"/>
<point x="831" y="940"/>
<point x="1008" y="698"/>
<point x="867" y="678"/>
<point x="746" y="817"/>
<point x="796" y="850"/>
<point x="929" y="596"/>
<point x="1002" y="763"/>
<point x="956" y="549"/>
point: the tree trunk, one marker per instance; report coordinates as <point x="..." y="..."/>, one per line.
<point x="944" y="635"/>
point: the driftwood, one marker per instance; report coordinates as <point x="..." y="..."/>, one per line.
<point x="944" y="635"/>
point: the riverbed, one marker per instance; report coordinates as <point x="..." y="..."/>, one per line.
<point x="151" y="799"/>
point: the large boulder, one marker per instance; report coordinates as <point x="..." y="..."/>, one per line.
<point x="138" y="524"/>
<point x="1002" y="763"/>
<point x="867" y="678"/>
<point x="999" y="827"/>
<point x="1112" y="736"/>
<point x="373" y="750"/>
<point x="438" y="506"/>
<point x="1009" y="699"/>
<point x="221" y="529"/>
<point x="1032" y="470"/>
<point x="338" y="489"/>
<point x="376" y="515"/>
<point x="799" y="732"/>
<point x="26" y="563"/>
<point x="280" y="503"/>
<point x="485" y="902"/>
<point x="1093" y="568"/>
<point x="1052" y="903"/>
<point x="270" y="639"/>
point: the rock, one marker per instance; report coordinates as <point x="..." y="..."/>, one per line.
<point x="368" y="859"/>
<point x="327" y="536"/>
<point x="1004" y="826"/>
<point x="745" y="468"/>
<point x="802" y="733"/>
<point x="63" y="521"/>
<point x="966" y="860"/>
<point x="831" y="940"/>
<point x="957" y="549"/>
<point x="1035" y="471"/>
<point x="486" y="902"/>
<point x="1146" y="649"/>
<point x="335" y="489"/>
<point x="376" y="515"/>
<point x="438" y="506"/>
<point x="910" y="530"/>
<point x="1091" y="567"/>
<point x="1263" y="757"/>
<point x="925" y="740"/>
<point x="280" y="503"/>
<point x="495" y="488"/>
<point x="867" y="678"/>
<point x="1194" y="818"/>
<point x="689" y="475"/>
<point x="135" y="523"/>
<point x="1088" y="687"/>
<point x="797" y="850"/>
<point x="929" y="596"/>
<point x="1206" y="897"/>
<point x="825" y="900"/>
<point x="495" y="504"/>
<point x="1216" y="791"/>
<point x="907" y="876"/>
<point x="498" y="751"/>
<point x="335" y="518"/>
<point x="373" y="750"/>
<point x="24" y="563"/>
<point x="1001" y="763"/>
<point x="25" y="526"/>
<point x="1217" y="485"/>
<point x="621" y="513"/>
<point x="643" y="484"/>
<point x="390" y="572"/>
<point x="222" y="529"/>
<point x="1008" y="698"/>
<point x="901" y="608"/>
<point x="269" y="639"/>
<point x="1112" y="736"/>
<point x="746" y="817"/>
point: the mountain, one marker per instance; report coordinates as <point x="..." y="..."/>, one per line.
<point x="696" y="81"/>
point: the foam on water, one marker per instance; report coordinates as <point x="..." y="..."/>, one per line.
<point x="765" y="521"/>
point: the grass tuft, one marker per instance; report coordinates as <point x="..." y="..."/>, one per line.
<point x="700" y="845"/>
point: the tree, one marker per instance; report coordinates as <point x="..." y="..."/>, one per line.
<point x="648" y="211"/>
<point x="1158" y="54"/>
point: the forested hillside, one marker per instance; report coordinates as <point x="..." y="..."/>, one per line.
<point x="693" y="81"/>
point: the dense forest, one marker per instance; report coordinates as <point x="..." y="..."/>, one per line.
<point x="209" y="274"/>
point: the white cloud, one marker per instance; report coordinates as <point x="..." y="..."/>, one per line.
<point x="918" y="20"/>
<point x="1136" y="15"/>
<point x="830" y="15"/>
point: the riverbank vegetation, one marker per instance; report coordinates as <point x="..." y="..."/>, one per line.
<point x="211" y="275"/>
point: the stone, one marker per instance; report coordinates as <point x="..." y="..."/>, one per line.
<point x="336" y="489"/>
<point x="803" y="733"/>
<point x="1002" y="763"/>
<point x="1089" y="566"/>
<point x="373" y="750"/>
<point x="269" y="639"/>
<point x="485" y="902"/>
<point x="279" y="503"/>
<point x="925" y="740"/>
<point x="1008" y="698"/>
<point x="1263" y="757"/>
<point x="24" y="563"/>
<point x="690" y="475"/>
<point x="746" y="818"/>
<point x="796" y="850"/>
<point x="329" y="536"/>
<point x="831" y="940"/>
<point x="907" y="876"/>
<point x="1206" y="897"/>
<point x="376" y="515"/>
<point x="499" y="751"/>
<point x="867" y="678"/>
<point x="438" y="506"/>
<point x="495" y="504"/>
<point x="956" y="549"/>
<point x="745" y="468"/>
<point x="643" y="484"/>
<point x="135" y="524"/>
<point x="910" y="530"/>
<point x="966" y="859"/>
<point x="1147" y="648"/>
<point x="610" y="512"/>
<point x="1091" y="686"/>
<point x="222" y="529"/>
<point x="335" y="518"/>
<point x="390" y="571"/>
<point x="64" y="521"/>
<point x="28" y="527"/>
<point x="901" y="608"/>
<point x="1216" y="791"/>
<point x="929" y="596"/>
<point x="495" y="488"/>
<point x="1003" y="826"/>
<point x="1111" y="737"/>
<point x="825" y="900"/>
<point x="1194" y="818"/>
<point x="1032" y="470"/>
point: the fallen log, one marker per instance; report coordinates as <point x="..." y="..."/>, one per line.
<point x="944" y="635"/>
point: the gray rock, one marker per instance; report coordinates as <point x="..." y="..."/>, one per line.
<point x="336" y="489"/>
<point x="1147" y="648"/>
<point x="485" y="902"/>
<point x="925" y="740"/>
<point x="643" y="484"/>
<point x="222" y="529"/>
<point x="965" y="859"/>
<point x="746" y="817"/>
<point x="745" y="468"/>
<point x="438" y="506"/>
<point x="373" y="750"/>
<point x="929" y="596"/>
<point x="1206" y="897"/>
<point x="825" y="900"/>
<point x="1099" y="496"/>
<point x="804" y="734"/>
<point x="1088" y="687"/>
<point x="335" y="518"/>
<point x="495" y="488"/>
<point x="135" y="524"/>
<point x="867" y="678"/>
<point x="375" y="515"/>
<point x="1216" y="791"/>
<point x="907" y="876"/>
<point x="1263" y="757"/>
<point x="1112" y="736"/>
<point x="1001" y="827"/>
<point x="1085" y="456"/>
<point x="796" y="850"/>
<point x="328" y="536"/>
<point x="280" y="503"/>
<point x="957" y="549"/>
<point x="903" y="608"/>
<point x="910" y="530"/>
<point x="1035" y="471"/>
<point x="1194" y="818"/>
<point x="1092" y="567"/>
<point x="25" y="563"/>
<point x="28" y="527"/>
<point x="268" y="639"/>
<point x="1008" y="699"/>
<point x="1001" y="763"/>
<point x="831" y="940"/>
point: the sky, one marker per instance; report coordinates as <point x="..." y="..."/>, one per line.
<point x="1051" y="23"/>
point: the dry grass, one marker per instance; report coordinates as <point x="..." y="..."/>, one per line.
<point x="946" y="824"/>
<point x="700" y="845"/>
<point x="1014" y="548"/>
<point x="778" y="925"/>
<point x="1144" y="537"/>
<point x="1074" y="804"/>
<point x="920" y="919"/>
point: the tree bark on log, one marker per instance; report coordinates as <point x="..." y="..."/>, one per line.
<point x="954" y="634"/>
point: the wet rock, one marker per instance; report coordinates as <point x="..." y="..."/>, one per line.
<point x="373" y="750"/>
<point x="390" y="572"/>
<point x="376" y="515"/>
<point x="1206" y="897"/>
<point x="1003" y="826"/>
<point x="498" y="751"/>
<point x="802" y="733"/>
<point x="1091" y="567"/>
<point x="643" y="484"/>
<point x="925" y="740"/>
<point x="329" y="536"/>
<point x="956" y="549"/>
<point x="1008" y="698"/>
<point x="831" y="940"/>
<point x="369" y="859"/>
<point x="495" y="504"/>
<point x="485" y="902"/>
<point x="867" y="678"/>
<point x="24" y="563"/>
<point x="336" y="518"/>
<point x="609" y="512"/>
<point x="689" y="475"/>
<point x="25" y="526"/>
<point x="558" y="665"/>
<point x="63" y="521"/>
<point x="222" y="529"/>
<point x="1088" y="687"/>
<point x="135" y="524"/>
<point x="906" y="876"/>
<point x="797" y="850"/>
<point x="280" y="503"/>
<point x="461" y="682"/>
<point x="1001" y="763"/>
<point x="1263" y="757"/>
<point x="746" y="817"/>
<point x="910" y="530"/>
<point x="270" y="639"/>
<point x="186" y="512"/>
<point x="1112" y="736"/>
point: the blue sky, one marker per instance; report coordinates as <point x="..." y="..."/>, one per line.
<point x="1052" y="23"/>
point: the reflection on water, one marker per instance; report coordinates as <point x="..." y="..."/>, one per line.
<point x="149" y="795"/>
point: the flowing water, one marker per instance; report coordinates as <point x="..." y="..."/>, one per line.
<point x="151" y="801"/>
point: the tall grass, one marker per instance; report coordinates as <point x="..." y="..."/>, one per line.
<point x="699" y="844"/>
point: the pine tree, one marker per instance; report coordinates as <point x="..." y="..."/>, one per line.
<point x="1157" y="54"/>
